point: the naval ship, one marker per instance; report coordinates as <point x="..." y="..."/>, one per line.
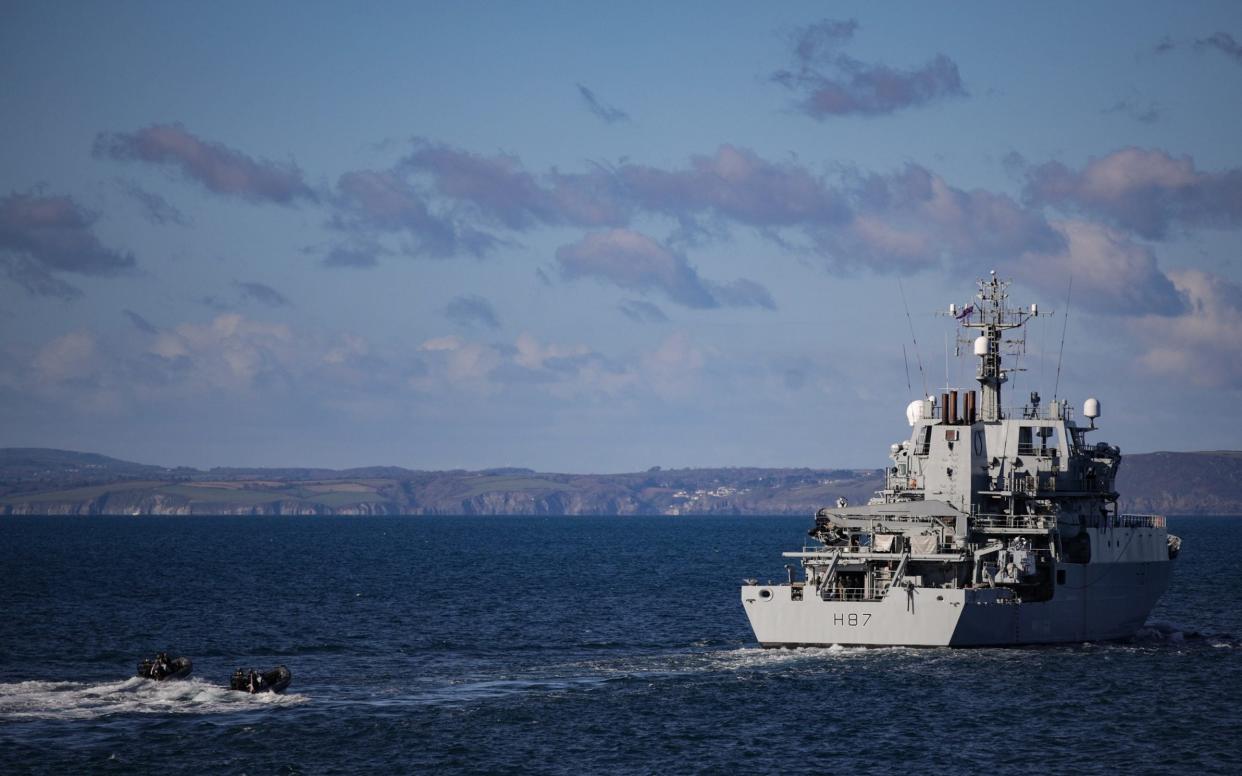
<point x="995" y="527"/>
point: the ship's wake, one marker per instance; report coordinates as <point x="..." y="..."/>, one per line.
<point x="77" y="700"/>
<point x="727" y="661"/>
<point x="594" y="674"/>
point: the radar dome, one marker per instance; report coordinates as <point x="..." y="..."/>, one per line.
<point x="914" y="411"/>
<point x="981" y="346"/>
<point x="1091" y="408"/>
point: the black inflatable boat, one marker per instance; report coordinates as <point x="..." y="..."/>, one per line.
<point x="253" y="681"/>
<point x="162" y="668"/>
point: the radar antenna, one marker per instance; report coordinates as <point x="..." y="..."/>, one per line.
<point x="992" y="317"/>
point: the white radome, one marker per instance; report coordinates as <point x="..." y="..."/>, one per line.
<point x="981" y="346"/>
<point x="914" y="411"/>
<point x="1091" y="408"/>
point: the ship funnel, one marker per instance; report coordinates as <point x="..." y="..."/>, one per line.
<point x="953" y="408"/>
<point x="968" y="411"/>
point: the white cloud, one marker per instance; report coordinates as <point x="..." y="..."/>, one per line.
<point x="231" y="351"/>
<point x="1111" y="273"/>
<point x="1203" y="345"/>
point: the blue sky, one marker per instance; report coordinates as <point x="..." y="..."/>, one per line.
<point x="604" y="237"/>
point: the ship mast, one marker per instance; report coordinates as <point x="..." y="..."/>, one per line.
<point x="992" y="317"/>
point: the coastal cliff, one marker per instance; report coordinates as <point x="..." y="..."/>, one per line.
<point x="35" y="481"/>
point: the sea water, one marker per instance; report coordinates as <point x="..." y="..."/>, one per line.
<point x="558" y="645"/>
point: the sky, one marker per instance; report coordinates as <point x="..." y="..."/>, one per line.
<point x="601" y="237"/>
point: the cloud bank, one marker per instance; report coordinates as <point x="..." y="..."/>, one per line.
<point x="440" y="201"/>
<point x="907" y="220"/>
<point x="1147" y="192"/>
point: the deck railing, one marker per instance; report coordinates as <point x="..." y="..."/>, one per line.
<point x="854" y="593"/>
<point x="1012" y="521"/>
<point x="1042" y="412"/>
<point x="1139" y="521"/>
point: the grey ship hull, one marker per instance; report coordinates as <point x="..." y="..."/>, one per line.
<point x="1097" y="602"/>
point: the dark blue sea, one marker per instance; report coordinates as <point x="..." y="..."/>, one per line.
<point x="560" y="646"/>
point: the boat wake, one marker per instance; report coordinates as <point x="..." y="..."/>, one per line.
<point x="77" y="700"/>
<point x="590" y="675"/>
<point x="474" y="691"/>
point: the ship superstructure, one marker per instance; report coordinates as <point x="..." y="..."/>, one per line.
<point x="995" y="527"/>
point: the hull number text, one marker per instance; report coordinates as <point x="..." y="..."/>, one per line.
<point x="852" y="620"/>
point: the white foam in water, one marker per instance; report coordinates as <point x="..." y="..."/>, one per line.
<point x="757" y="657"/>
<point x="1169" y="633"/>
<point x="1158" y="631"/>
<point x="730" y="660"/>
<point x="75" y="700"/>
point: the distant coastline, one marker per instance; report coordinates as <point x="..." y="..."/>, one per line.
<point x="41" y="481"/>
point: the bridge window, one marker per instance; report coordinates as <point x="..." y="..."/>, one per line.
<point x="1037" y="440"/>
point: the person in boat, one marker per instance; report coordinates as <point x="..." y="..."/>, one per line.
<point x="253" y="684"/>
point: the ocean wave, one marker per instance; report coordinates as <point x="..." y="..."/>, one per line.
<point x="76" y="700"/>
